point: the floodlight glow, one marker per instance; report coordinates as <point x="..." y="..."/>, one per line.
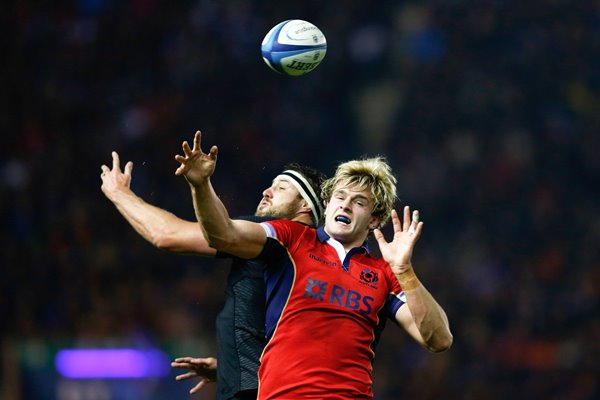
<point x="111" y="363"/>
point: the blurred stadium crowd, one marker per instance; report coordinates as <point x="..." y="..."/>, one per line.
<point x="489" y="112"/>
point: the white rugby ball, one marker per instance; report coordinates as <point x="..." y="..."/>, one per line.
<point x="294" y="47"/>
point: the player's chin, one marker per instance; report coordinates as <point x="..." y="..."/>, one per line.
<point x="342" y="227"/>
<point x="262" y="211"/>
<point x="342" y="233"/>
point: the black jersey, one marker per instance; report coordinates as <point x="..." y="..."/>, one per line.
<point x="241" y="328"/>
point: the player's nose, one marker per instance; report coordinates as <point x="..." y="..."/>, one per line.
<point x="345" y="204"/>
<point x="268" y="192"/>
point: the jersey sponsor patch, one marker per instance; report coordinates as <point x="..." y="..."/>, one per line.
<point x="338" y="295"/>
<point x="315" y="289"/>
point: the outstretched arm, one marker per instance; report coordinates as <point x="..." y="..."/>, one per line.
<point x="204" y="368"/>
<point x="240" y="238"/>
<point x="422" y="317"/>
<point x="159" y="227"/>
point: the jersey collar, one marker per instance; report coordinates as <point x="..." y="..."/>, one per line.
<point x="324" y="237"/>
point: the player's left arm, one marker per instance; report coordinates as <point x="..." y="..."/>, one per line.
<point x="425" y="320"/>
<point x="422" y="317"/>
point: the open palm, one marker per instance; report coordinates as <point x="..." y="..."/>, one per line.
<point x="398" y="252"/>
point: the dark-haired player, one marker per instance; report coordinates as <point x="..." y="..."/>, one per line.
<point x="293" y="195"/>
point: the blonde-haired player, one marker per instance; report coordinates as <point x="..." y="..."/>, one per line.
<point x="326" y="294"/>
<point x="374" y="174"/>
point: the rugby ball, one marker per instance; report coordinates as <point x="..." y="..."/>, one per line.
<point x="294" y="47"/>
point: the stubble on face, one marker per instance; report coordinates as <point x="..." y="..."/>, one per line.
<point x="281" y="211"/>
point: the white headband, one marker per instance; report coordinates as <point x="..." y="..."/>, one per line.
<point x="306" y="191"/>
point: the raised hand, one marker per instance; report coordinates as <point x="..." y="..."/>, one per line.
<point x="196" y="166"/>
<point x="399" y="251"/>
<point x="204" y="368"/>
<point x="113" y="180"/>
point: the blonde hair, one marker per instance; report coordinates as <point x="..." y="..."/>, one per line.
<point x="367" y="173"/>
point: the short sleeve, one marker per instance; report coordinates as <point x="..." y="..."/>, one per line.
<point x="286" y="232"/>
<point x="393" y="304"/>
<point x="396" y="297"/>
<point x="251" y="218"/>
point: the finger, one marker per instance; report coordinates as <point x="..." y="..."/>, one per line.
<point x="185" y="376"/>
<point x="199" y="386"/>
<point x="186" y="148"/>
<point x="379" y="237"/>
<point x="181" y="364"/>
<point x="406" y="219"/>
<point x="199" y="360"/>
<point x="213" y="152"/>
<point x="105" y="169"/>
<point x="418" y="230"/>
<point x="116" y="161"/>
<point x="181" y="169"/>
<point x="413" y="224"/>
<point x="184" y="359"/>
<point x="197" y="138"/>
<point x="396" y="221"/>
<point x="414" y="221"/>
<point x="128" y="168"/>
<point x="199" y="363"/>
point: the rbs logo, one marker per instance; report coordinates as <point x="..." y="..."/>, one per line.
<point x="351" y="299"/>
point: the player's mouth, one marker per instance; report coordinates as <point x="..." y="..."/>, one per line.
<point x="263" y="203"/>
<point x="342" y="219"/>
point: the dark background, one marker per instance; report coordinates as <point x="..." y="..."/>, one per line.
<point x="488" y="111"/>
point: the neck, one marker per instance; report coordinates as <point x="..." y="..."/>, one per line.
<point x="303" y="218"/>
<point x="347" y="243"/>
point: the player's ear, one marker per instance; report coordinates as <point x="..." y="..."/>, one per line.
<point x="304" y="207"/>
<point x="374" y="222"/>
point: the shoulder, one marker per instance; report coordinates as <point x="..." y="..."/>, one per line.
<point x="282" y="225"/>
<point x="254" y="218"/>
<point x="289" y="233"/>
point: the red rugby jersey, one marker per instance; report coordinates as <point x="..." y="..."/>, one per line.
<point x="324" y="315"/>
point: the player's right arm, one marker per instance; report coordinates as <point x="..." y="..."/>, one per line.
<point x="243" y="239"/>
<point x="161" y="228"/>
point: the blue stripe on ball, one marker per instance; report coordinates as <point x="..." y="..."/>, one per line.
<point x="267" y="48"/>
<point x="278" y="55"/>
<point x="277" y="47"/>
<point x="272" y="40"/>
